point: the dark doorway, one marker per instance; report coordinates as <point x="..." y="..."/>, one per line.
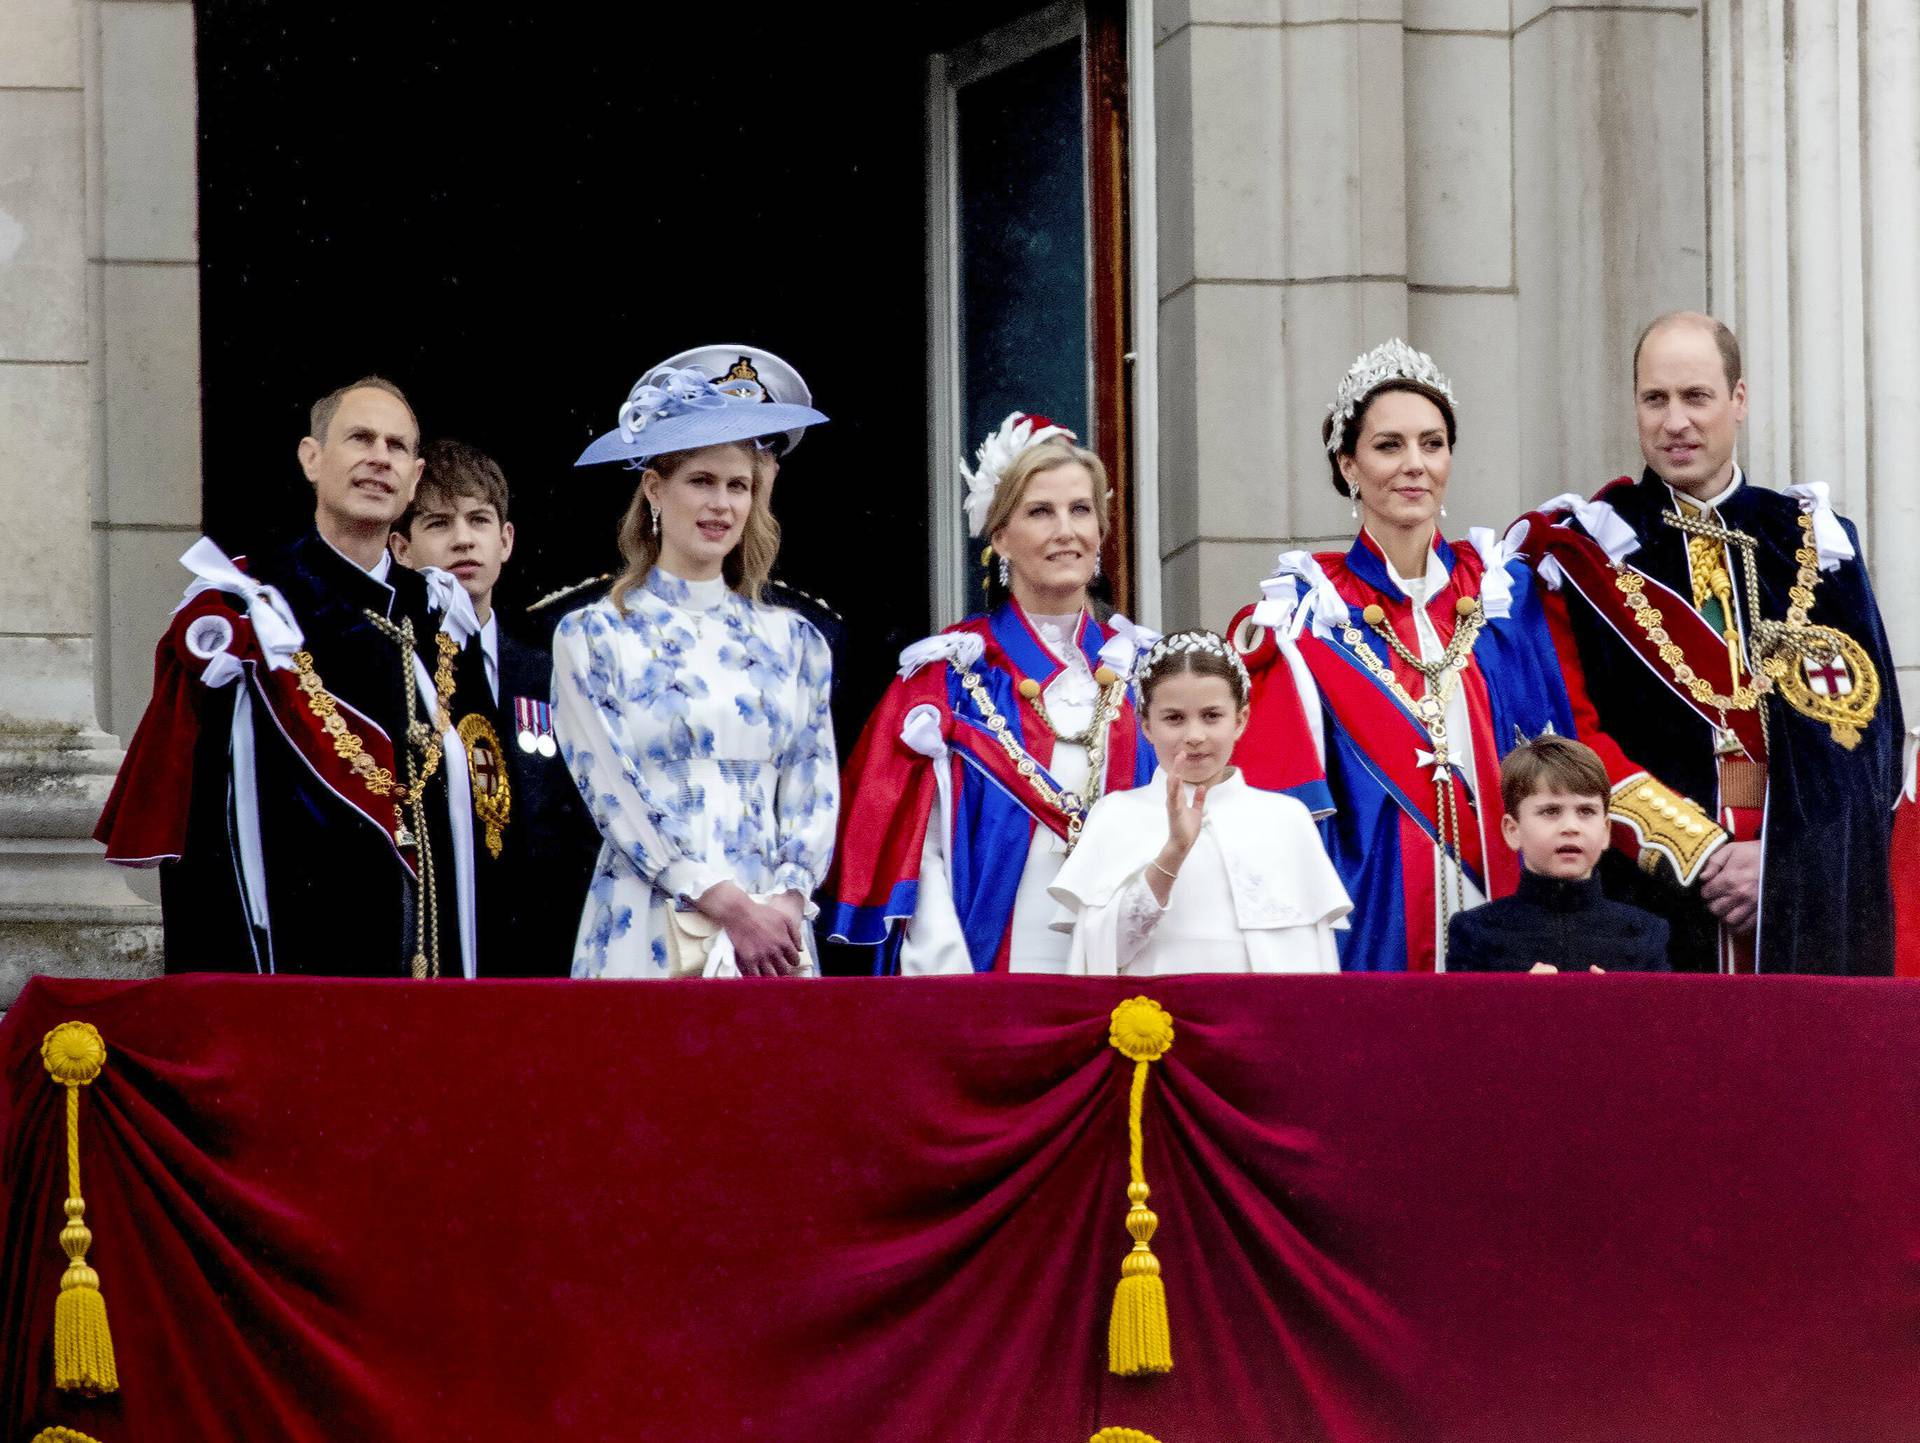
<point x="514" y="213"/>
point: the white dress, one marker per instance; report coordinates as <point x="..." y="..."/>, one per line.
<point x="934" y="942"/>
<point x="1256" y="894"/>
<point x="695" y="724"/>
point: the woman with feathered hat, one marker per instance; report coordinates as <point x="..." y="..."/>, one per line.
<point x="1389" y="679"/>
<point x="975" y="773"/>
<point x="693" y="714"/>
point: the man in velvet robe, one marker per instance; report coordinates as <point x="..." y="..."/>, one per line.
<point x="1760" y="743"/>
<point x="285" y="710"/>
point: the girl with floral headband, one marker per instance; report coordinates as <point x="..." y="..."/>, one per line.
<point x="1389" y="679"/>
<point x="975" y="773"/>
<point x="1197" y="871"/>
<point x="691" y="713"/>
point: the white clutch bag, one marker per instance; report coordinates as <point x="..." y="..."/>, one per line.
<point x="698" y="946"/>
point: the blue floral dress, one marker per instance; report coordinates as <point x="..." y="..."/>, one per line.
<point x="695" y="724"/>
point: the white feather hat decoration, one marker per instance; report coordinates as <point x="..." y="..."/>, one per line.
<point x="995" y="459"/>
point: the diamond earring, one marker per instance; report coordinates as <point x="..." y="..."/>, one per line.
<point x="1006" y="575"/>
<point x="656" y="521"/>
<point x="1355" y="508"/>
<point x="1096" y="566"/>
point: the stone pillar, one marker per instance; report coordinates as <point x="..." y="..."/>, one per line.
<point x="1814" y="189"/>
<point x="1283" y="255"/>
<point x="144" y="292"/>
<point x="1610" y="220"/>
<point x="61" y="909"/>
<point x="1463" y="297"/>
<point x="1890" y="77"/>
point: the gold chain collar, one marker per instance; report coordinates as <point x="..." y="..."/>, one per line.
<point x="1073" y="804"/>
<point x="408" y="795"/>
<point x="1443" y="679"/>
<point x="351" y="747"/>
<point x="1778" y="645"/>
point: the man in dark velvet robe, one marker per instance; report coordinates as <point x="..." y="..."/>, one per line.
<point x="1750" y="681"/>
<point x="289" y="714"/>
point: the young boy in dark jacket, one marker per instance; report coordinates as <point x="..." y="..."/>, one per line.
<point x="1554" y="791"/>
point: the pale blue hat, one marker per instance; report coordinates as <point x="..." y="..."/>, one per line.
<point x="681" y="410"/>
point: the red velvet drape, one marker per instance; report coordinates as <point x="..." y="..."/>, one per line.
<point x="1454" y="1208"/>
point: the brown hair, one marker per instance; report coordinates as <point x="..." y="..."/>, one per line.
<point x="1551" y="764"/>
<point x="1193" y="662"/>
<point x="321" y="415"/>
<point x="456" y="470"/>
<point x="1350" y="438"/>
<point x="746" y="567"/>
<point x="1723" y="339"/>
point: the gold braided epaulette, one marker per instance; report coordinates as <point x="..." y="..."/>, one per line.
<point x="1668" y="825"/>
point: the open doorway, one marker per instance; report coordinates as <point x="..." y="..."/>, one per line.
<point x="513" y="214"/>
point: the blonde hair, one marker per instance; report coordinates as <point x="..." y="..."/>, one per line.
<point x="1052" y="452"/>
<point x="746" y="567"/>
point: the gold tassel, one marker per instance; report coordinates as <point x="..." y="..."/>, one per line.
<point x="1105" y="1435"/>
<point x="74" y="1055"/>
<point x="1139" y="1339"/>
<point x="74" y="1435"/>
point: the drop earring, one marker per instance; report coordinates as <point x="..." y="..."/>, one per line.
<point x="1443" y="511"/>
<point x="1006" y="575"/>
<point x="1096" y="566"/>
<point x="656" y="521"/>
<point x="1355" y="508"/>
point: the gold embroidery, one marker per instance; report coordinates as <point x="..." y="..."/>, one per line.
<point x="1667" y="824"/>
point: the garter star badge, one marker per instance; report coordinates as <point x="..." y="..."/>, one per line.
<point x="487" y="769"/>
<point x="1825" y="674"/>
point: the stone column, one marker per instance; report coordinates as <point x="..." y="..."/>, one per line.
<point x="144" y="292"/>
<point x="61" y="909"/>
<point x="1814" y="157"/>
<point x="1890" y="76"/>
<point x="1463" y="301"/>
<point x="1610" y="220"/>
<point x="1283" y="255"/>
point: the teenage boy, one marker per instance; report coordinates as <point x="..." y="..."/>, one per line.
<point x="1555" y="791"/>
<point x="534" y="844"/>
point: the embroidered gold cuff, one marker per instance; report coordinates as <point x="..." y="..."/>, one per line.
<point x="1668" y="825"/>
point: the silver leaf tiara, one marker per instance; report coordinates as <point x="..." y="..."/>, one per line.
<point x="1394" y="361"/>
<point x="1182" y="641"/>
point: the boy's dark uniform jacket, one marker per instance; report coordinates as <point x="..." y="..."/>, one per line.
<point x="546" y="863"/>
<point x="342" y="874"/>
<point x="1826" y="899"/>
<point x="1568" y="925"/>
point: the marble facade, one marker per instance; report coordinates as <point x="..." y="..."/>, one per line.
<point x="1515" y="185"/>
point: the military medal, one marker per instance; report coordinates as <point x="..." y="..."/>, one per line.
<point x="534" y="720"/>
<point x="486" y="766"/>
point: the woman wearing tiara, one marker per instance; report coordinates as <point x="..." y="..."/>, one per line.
<point x="1389" y="680"/>
<point x="1199" y="872"/>
<point x="973" y="776"/>
<point x="692" y="714"/>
